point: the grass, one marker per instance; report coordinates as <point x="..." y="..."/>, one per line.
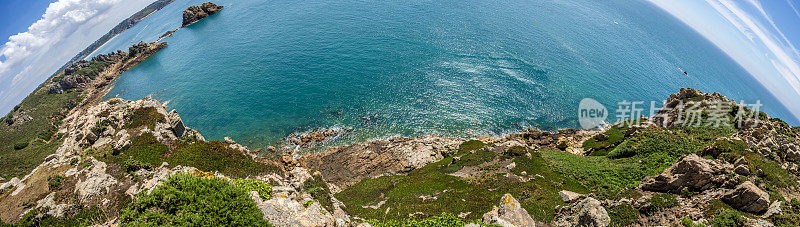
<point x="146" y="151"/>
<point x="404" y="195"/>
<point x="24" y="146"/>
<point x="188" y="200"/>
<point x="443" y="220"/>
<point x="646" y="153"/>
<point x="601" y="145"/>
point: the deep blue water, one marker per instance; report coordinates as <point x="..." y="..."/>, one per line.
<point x="257" y="70"/>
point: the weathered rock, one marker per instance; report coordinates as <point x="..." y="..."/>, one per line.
<point x="588" y="212"/>
<point x="568" y="196"/>
<point x="747" y="197"/>
<point x="742" y="170"/>
<point x="509" y="213"/>
<point x="346" y="165"/>
<point x="196" y="13"/>
<point x="281" y="211"/>
<point x="691" y="172"/>
<point x="774" y="209"/>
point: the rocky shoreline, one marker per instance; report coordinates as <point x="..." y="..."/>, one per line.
<point x="108" y="155"/>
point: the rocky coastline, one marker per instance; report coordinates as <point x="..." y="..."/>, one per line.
<point x="106" y="156"/>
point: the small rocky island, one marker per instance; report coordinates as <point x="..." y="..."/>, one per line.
<point x="196" y="13"/>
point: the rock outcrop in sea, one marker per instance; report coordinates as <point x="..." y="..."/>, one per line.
<point x="196" y="13"/>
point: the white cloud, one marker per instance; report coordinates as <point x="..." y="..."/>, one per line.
<point x="66" y="27"/>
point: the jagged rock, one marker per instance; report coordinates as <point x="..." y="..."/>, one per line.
<point x="742" y="170"/>
<point x="588" y="212"/>
<point x="568" y="196"/>
<point x="281" y="211"/>
<point x="774" y="209"/>
<point x="747" y="197"/>
<point x="509" y="213"/>
<point x="346" y="165"/>
<point x="196" y="13"/>
<point x="228" y="140"/>
<point x="97" y="182"/>
<point x="691" y="172"/>
<point x="176" y="124"/>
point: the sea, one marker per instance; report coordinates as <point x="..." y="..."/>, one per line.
<point x="258" y="71"/>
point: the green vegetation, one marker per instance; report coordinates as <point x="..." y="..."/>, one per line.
<point x="646" y="153"/>
<point x="600" y="145"/>
<point x="38" y="217"/>
<point x="790" y="216"/>
<point x="728" y="218"/>
<point x="470" y="146"/>
<point x="145" y="117"/>
<point x="623" y="215"/>
<point x="319" y="191"/>
<point x="251" y="185"/>
<point x="400" y="196"/>
<point x="188" y="200"/>
<point x="146" y="152"/>
<point x="687" y="221"/>
<point x="54" y="182"/>
<point x="25" y="144"/>
<point x="659" y="202"/>
<point x="443" y="220"/>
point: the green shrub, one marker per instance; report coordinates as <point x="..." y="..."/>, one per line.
<point x="319" y="191"/>
<point x="660" y="202"/>
<point x="443" y="220"/>
<point x="188" y="200"/>
<point x="20" y="145"/>
<point x="249" y="185"/>
<point x="54" y="182"/>
<point x="516" y="151"/>
<point x="623" y="215"/>
<point x="133" y="165"/>
<point x="728" y="218"/>
<point x="470" y="145"/>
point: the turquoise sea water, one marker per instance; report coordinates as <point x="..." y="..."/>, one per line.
<point x="258" y="71"/>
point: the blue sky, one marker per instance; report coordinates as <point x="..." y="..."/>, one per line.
<point x="20" y="14"/>
<point x="763" y="36"/>
<point x="38" y="36"/>
<point x="42" y="35"/>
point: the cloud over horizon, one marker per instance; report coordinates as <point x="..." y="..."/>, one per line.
<point x="66" y="28"/>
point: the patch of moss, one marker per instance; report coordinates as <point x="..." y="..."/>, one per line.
<point x="443" y="220"/>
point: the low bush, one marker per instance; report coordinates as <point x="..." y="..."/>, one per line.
<point x="188" y="200"/>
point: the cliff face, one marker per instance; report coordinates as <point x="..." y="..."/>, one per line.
<point x="196" y="13"/>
